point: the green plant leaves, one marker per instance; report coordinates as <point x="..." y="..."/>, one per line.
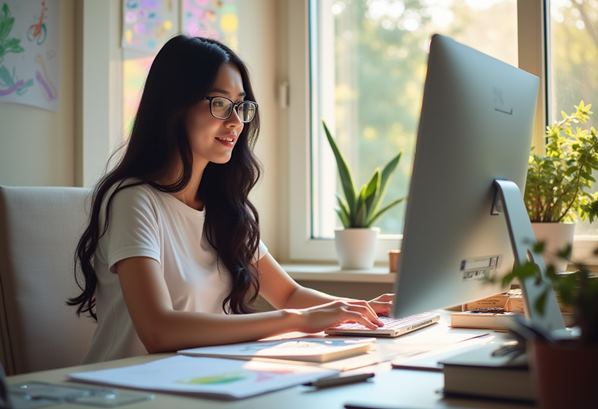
<point x="577" y="290"/>
<point x="389" y="206"/>
<point x="540" y="304"/>
<point x="520" y="273"/>
<point x="386" y="172"/>
<point x="343" y="170"/>
<point x="538" y="247"/>
<point x="559" y="182"/>
<point x="361" y="209"/>
<point x="343" y="212"/>
<point x="371" y="191"/>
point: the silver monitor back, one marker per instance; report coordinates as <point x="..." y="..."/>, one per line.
<point x="475" y="126"/>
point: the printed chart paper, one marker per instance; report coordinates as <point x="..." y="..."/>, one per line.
<point x="224" y="378"/>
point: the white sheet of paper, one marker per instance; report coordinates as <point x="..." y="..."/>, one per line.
<point x="429" y="341"/>
<point x="225" y="378"/>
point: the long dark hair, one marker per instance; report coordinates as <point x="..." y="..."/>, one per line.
<point x="182" y="73"/>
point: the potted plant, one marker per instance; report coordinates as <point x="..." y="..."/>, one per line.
<point x="557" y="189"/>
<point x="358" y="210"/>
<point x="564" y="370"/>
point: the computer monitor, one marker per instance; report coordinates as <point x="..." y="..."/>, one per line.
<point x="471" y="157"/>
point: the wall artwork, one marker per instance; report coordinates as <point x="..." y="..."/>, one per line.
<point x="134" y="74"/>
<point x="148" y="24"/>
<point x="29" y="52"/>
<point x="215" y="19"/>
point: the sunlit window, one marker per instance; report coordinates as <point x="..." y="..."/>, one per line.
<point x="368" y="67"/>
<point x="573" y="56"/>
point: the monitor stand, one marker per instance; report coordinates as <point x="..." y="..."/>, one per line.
<point x="509" y="200"/>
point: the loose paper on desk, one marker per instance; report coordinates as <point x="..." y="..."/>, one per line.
<point x="309" y="349"/>
<point x="213" y="377"/>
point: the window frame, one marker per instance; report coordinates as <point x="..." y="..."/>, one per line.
<point x="532" y="26"/>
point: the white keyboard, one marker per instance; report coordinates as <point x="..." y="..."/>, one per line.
<point x="393" y="327"/>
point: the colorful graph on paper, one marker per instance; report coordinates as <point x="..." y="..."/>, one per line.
<point x="207" y="376"/>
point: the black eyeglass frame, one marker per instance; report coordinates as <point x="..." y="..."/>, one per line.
<point x="234" y="106"/>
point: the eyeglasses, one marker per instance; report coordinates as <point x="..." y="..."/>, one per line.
<point x="222" y="108"/>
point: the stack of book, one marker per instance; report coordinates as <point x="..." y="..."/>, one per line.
<point x="496" y="312"/>
<point x="488" y="372"/>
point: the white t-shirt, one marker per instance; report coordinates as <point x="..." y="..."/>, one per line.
<point x="150" y="223"/>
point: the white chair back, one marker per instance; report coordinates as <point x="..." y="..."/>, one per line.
<point x="39" y="230"/>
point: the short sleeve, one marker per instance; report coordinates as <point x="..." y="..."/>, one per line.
<point x="262" y="250"/>
<point x="133" y="229"/>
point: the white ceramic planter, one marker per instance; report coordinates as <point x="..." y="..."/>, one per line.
<point x="555" y="236"/>
<point x="356" y="248"/>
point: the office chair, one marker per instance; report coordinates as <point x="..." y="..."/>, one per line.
<point x="39" y="230"/>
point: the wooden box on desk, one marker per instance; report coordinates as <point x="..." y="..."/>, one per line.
<point x="496" y="312"/>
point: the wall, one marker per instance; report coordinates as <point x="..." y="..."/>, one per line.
<point x="99" y="87"/>
<point x="258" y="45"/>
<point x="71" y="146"/>
<point x="281" y="191"/>
<point x="37" y="146"/>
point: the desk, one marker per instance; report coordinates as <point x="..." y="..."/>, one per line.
<point x="390" y="388"/>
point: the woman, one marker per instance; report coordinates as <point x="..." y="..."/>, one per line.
<point x="172" y="256"/>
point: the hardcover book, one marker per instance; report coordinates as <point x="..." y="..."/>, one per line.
<point x="488" y="372"/>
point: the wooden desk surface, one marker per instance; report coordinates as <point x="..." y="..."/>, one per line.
<point x="390" y="388"/>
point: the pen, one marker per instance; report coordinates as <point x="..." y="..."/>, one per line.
<point x="340" y="380"/>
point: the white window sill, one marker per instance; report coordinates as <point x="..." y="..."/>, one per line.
<point x="582" y="251"/>
<point x="333" y="273"/>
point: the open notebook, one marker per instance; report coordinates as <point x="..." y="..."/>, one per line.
<point x="393" y="327"/>
<point x="308" y="349"/>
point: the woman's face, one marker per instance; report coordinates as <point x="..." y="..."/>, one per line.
<point x="213" y="139"/>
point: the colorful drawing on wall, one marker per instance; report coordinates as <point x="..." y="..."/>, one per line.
<point x="134" y="74"/>
<point x="147" y="24"/>
<point x="28" y="52"/>
<point x="215" y="19"/>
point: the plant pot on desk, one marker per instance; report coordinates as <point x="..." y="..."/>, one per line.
<point x="565" y="374"/>
<point x="356" y="248"/>
<point x="556" y="236"/>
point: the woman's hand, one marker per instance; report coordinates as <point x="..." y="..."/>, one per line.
<point x="320" y="317"/>
<point x="382" y="304"/>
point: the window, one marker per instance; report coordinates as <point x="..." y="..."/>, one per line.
<point x="363" y="74"/>
<point x="368" y="68"/>
<point x="573" y="51"/>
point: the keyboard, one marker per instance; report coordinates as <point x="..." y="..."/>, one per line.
<point x="393" y="327"/>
